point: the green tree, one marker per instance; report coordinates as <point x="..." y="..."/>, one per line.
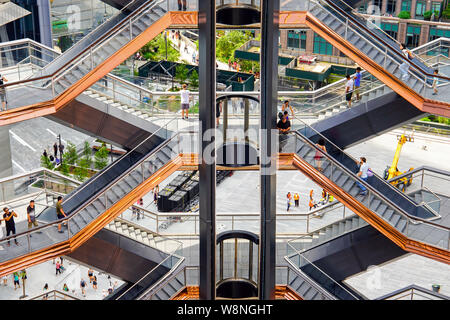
<point x="181" y="72"/>
<point x="46" y="163"/>
<point x="87" y="153"/>
<point x="71" y="156"/>
<point x="194" y="78"/>
<point x="101" y="158"/>
<point x="64" y="167"/>
<point x="155" y="50"/>
<point x="404" y="15"/>
<point x="81" y="171"/>
<point x="229" y="42"/>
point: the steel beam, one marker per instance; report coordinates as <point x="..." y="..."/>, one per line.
<point x="207" y="166"/>
<point x="269" y="77"/>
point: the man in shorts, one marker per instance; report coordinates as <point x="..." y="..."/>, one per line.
<point x="184" y="102"/>
<point x="31" y="217"/>
<point x="3" y="92"/>
<point x="60" y="212"/>
<point x="349" y="90"/>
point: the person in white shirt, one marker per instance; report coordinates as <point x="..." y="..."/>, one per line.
<point x="3" y="93"/>
<point x="349" y="90"/>
<point x="363" y="170"/>
<point x="404" y="67"/>
<point x="184" y="102"/>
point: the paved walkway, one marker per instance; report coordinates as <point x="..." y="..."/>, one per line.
<point x="45" y="272"/>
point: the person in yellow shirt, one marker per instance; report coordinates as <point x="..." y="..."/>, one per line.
<point x="296" y="199"/>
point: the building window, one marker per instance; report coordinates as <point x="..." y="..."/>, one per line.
<point x="390" y="28"/>
<point x="436" y="33"/>
<point x="420" y="9"/>
<point x="390" y="6"/>
<point x="297" y="39"/>
<point x="406" y="5"/>
<point x="321" y="46"/>
<point x="377" y="3"/>
<point x="412" y="36"/>
<point x="436" y="6"/>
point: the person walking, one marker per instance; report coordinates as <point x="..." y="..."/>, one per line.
<point x="155" y="194"/>
<point x="5" y="280"/>
<point x="319" y="155"/>
<point x="83" y="287"/>
<point x="296" y="200"/>
<point x="58" y="267"/>
<point x="3" y="92"/>
<point x="94" y="282"/>
<point x="31" y="217"/>
<point x="312" y="204"/>
<point x="363" y="169"/>
<point x="349" y="90"/>
<point x="289" y="198"/>
<point x="404" y="67"/>
<point x="435" y="82"/>
<point x="16" y="280"/>
<point x="55" y="150"/>
<point x="90" y="275"/>
<point x="184" y="94"/>
<point x="357" y="83"/>
<point x="10" y="224"/>
<point x="60" y="212"/>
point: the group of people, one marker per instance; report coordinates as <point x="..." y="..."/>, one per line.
<point x="54" y="158"/>
<point x="326" y="198"/>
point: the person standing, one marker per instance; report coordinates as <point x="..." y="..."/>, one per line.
<point x="55" y="150"/>
<point x="357" y="83"/>
<point x="94" y="282"/>
<point x="184" y="102"/>
<point x="5" y="280"/>
<point x="58" y="267"/>
<point x="10" y="224"/>
<point x="319" y="155"/>
<point x="61" y="150"/>
<point x="296" y="199"/>
<point x="349" y="90"/>
<point x="289" y="198"/>
<point x="363" y="169"/>
<point x="31" y="217"/>
<point x="3" y="92"/>
<point x="60" y="212"/>
<point x="45" y="153"/>
<point x="287" y="107"/>
<point x="16" y="280"/>
<point x="65" y="288"/>
<point x="283" y="126"/>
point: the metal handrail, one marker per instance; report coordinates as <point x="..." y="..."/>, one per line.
<point x="413" y="219"/>
<point x="374" y="36"/>
<point x="421" y="168"/>
<point x="412" y="288"/>
<point x="94" y="44"/>
<point x="311" y="281"/>
<point x="89" y="201"/>
<point x="343" y="152"/>
<point x="54" y="294"/>
<point x="180" y="260"/>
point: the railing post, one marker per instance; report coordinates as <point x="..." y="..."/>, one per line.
<point x="307" y="224"/>
<point x="344" y="212"/>
<point x="385" y="58"/>
<point x="114" y="89"/>
<point x="92" y="58"/>
<point x="131" y="30"/>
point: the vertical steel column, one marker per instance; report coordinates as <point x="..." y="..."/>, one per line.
<point x="207" y="166"/>
<point x="269" y="77"/>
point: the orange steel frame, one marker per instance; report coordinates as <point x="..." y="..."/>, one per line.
<point x="288" y="20"/>
<point x="282" y="292"/>
<point x="369" y="216"/>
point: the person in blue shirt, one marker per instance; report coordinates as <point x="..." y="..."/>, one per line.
<point x="357" y="83"/>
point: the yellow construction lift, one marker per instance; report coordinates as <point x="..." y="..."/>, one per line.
<point x="392" y="171"/>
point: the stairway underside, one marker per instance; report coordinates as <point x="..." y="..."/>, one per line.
<point x="369" y="216"/>
<point x="70" y="245"/>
